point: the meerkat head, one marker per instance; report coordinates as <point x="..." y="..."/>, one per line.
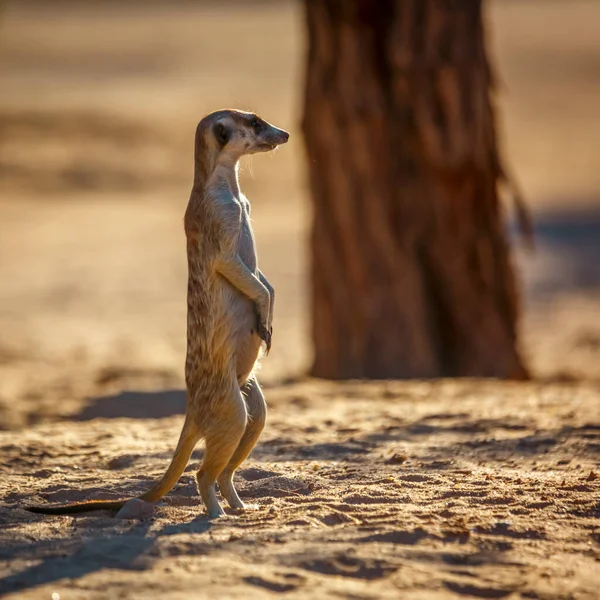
<point x="234" y="133"/>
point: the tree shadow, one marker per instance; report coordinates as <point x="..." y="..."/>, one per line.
<point x="448" y="437"/>
<point x="134" y="405"/>
<point x="462" y="434"/>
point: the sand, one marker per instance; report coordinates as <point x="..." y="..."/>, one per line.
<point x="362" y="490"/>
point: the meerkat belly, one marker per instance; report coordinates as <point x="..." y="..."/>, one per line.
<point x="247" y="342"/>
<point x="242" y="311"/>
<point x="240" y="334"/>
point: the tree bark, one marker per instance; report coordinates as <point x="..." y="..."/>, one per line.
<point x="411" y="272"/>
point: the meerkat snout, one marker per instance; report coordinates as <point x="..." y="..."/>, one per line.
<point x="238" y="133"/>
<point x="262" y="136"/>
<point x="274" y="136"/>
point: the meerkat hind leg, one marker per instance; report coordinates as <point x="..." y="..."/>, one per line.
<point x="226" y="429"/>
<point x="257" y="414"/>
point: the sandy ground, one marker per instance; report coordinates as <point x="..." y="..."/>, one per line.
<point x="416" y="490"/>
<point x="383" y="490"/>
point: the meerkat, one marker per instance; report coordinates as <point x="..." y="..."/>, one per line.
<point x="229" y="316"/>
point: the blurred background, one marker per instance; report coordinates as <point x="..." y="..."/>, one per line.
<point x="98" y="106"/>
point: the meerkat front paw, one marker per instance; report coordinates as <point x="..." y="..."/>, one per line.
<point x="265" y="333"/>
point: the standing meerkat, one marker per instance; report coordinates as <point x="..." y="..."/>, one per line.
<point x="230" y="310"/>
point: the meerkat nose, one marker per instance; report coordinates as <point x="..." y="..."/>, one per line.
<point x="285" y="135"/>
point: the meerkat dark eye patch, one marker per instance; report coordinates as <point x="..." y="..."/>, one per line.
<point x="221" y="134"/>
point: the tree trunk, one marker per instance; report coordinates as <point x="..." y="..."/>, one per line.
<point x="411" y="273"/>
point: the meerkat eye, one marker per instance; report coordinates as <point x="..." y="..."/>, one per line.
<point x="221" y="133"/>
<point x="255" y="123"/>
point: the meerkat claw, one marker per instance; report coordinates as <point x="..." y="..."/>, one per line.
<point x="265" y="333"/>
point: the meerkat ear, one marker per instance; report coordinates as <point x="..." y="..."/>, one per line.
<point x="221" y="134"/>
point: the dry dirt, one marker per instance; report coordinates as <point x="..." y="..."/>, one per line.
<point x="372" y="490"/>
<point x="364" y="490"/>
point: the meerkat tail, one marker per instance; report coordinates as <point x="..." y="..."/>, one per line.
<point x="187" y="442"/>
<point x="72" y="509"/>
<point x="190" y="434"/>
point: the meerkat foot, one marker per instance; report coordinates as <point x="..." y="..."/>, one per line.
<point x="209" y="497"/>
<point x="229" y="492"/>
<point x="216" y="512"/>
